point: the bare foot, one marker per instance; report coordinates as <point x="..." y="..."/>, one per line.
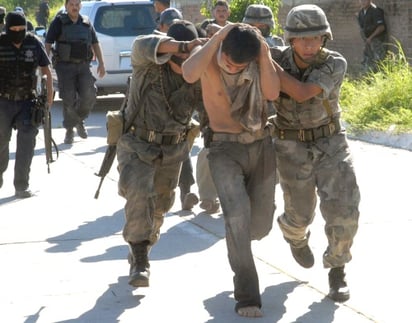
<point x="250" y="311"/>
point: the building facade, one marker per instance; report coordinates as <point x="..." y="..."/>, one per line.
<point x="346" y="35"/>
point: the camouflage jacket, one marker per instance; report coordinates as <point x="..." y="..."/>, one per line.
<point x="328" y="73"/>
<point x="164" y="100"/>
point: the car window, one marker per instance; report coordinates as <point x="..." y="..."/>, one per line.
<point x="84" y="11"/>
<point x="125" y="20"/>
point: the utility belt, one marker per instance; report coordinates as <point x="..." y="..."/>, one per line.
<point x="158" y="137"/>
<point x="243" y="137"/>
<point x="73" y="61"/>
<point x="309" y="135"/>
<point x="16" y="96"/>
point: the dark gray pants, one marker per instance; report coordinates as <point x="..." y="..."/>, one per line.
<point x="77" y="90"/>
<point x="17" y="114"/>
<point x="244" y="175"/>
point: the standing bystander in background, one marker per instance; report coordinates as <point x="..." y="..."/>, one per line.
<point x="43" y="13"/>
<point x="220" y="14"/>
<point x="372" y="25"/>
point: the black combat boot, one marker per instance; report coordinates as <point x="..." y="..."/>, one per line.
<point x="81" y="130"/>
<point x="68" y="139"/>
<point x="303" y="256"/>
<point x="338" y="288"/>
<point x="139" y="264"/>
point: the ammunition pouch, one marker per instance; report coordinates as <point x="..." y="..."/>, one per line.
<point x="37" y="114"/>
<point x="193" y="132"/>
<point x="115" y="124"/>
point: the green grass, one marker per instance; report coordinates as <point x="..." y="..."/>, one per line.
<point x="380" y="101"/>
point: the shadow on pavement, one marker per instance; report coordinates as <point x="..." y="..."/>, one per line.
<point x="321" y="312"/>
<point x="8" y="199"/>
<point x="111" y="304"/>
<point x="103" y="227"/>
<point x="181" y="239"/>
<point x="218" y="306"/>
<point x="34" y="318"/>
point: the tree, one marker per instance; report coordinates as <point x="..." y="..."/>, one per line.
<point x="238" y="8"/>
<point x="29" y="6"/>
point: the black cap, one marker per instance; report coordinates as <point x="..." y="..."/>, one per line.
<point x="182" y="30"/>
<point x="15" y="19"/>
<point x="167" y="16"/>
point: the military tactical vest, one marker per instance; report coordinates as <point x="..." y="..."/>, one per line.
<point x="18" y="66"/>
<point x="74" y="42"/>
<point x="327" y="71"/>
<point x="166" y="102"/>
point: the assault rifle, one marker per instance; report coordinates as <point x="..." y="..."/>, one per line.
<point x="105" y="167"/>
<point x="43" y="110"/>
<point x="110" y="153"/>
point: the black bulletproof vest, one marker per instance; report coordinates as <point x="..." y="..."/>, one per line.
<point x="18" y="66"/>
<point x="75" y="40"/>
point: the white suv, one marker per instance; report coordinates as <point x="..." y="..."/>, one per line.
<point x="117" y="24"/>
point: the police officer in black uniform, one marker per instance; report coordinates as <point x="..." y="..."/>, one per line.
<point x="21" y="54"/>
<point x="76" y="42"/>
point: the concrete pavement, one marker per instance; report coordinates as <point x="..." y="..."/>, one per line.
<point x="64" y="258"/>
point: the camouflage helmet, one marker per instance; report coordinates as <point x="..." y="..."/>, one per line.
<point x="307" y="21"/>
<point x="259" y="14"/>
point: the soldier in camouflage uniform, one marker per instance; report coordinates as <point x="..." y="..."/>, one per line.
<point x="372" y="25"/>
<point x="312" y="152"/>
<point x="261" y="17"/>
<point x="150" y="155"/>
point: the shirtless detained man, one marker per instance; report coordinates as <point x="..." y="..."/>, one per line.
<point x="238" y="78"/>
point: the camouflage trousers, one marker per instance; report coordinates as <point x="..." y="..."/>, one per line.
<point x="325" y="168"/>
<point x="373" y="53"/>
<point x="244" y="176"/>
<point x="148" y="185"/>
